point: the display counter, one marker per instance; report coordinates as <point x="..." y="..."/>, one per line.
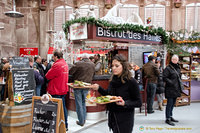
<point x="94" y="111"/>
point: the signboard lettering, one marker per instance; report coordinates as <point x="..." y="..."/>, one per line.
<point x="78" y="31"/>
<point x="19" y="62"/>
<point x="47" y="117"/>
<point x="44" y="117"/>
<point x="23" y="85"/>
<point x="28" y="51"/>
<point x="128" y="35"/>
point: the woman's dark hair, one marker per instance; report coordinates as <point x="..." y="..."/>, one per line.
<point x="58" y="53"/>
<point x="44" y="60"/>
<point x="36" y="57"/>
<point x="91" y="57"/>
<point x="126" y="74"/>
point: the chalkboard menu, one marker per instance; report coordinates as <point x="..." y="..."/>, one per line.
<point x="23" y="85"/>
<point x="47" y="118"/>
<point x="19" y="62"/>
<point x="44" y="117"/>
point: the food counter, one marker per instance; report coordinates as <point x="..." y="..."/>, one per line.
<point x="94" y="111"/>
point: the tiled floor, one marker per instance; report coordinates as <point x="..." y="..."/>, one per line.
<point x="188" y="116"/>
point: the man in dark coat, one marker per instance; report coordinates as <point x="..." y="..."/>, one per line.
<point x="37" y="65"/>
<point x="38" y="78"/>
<point x="171" y="76"/>
<point x="151" y="72"/>
<point x="83" y="70"/>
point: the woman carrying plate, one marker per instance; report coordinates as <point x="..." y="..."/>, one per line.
<point x="121" y="114"/>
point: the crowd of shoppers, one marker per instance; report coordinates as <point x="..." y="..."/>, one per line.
<point x="126" y="82"/>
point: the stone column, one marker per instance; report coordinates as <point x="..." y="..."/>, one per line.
<point x="43" y="42"/>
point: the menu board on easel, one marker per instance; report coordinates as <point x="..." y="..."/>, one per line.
<point x="23" y="85"/>
<point x="48" y="117"/>
<point x="19" y="62"/>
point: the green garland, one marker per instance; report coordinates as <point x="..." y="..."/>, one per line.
<point x="120" y="27"/>
<point x="174" y="47"/>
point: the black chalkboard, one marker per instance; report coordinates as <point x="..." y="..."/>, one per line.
<point x="19" y="62"/>
<point x="47" y="118"/>
<point x="23" y="85"/>
<point x="44" y="117"/>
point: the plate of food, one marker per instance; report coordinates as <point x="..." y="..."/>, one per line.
<point x="79" y="84"/>
<point x="107" y="99"/>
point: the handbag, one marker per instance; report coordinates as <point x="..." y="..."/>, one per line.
<point x="179" y="79"/>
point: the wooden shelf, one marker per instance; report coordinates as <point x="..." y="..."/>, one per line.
<point x="186" y="80"/>
<point x="185" y="98"/>
<point x="184" y="95"/>
<point x="181" y="63"/>
<point x="186" y="88"/>
<point x="182" y="104"/>
<point x="184" y="70"/>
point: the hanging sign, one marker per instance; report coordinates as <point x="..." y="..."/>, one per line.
<point x="28" y="51"/>
<point x="78" y="31"/>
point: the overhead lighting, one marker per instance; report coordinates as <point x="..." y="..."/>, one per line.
<point x="1" y="28"/>
<point x="14" y="13"/>
<point x="51" y="31"/>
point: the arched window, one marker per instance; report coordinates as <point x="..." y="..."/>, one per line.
<point x="61" y="14"/>
<point x="84" y="10"/>
<point x="192" y="21"/>
<point x="157" y="14"/>
<point x="126" y="10"/>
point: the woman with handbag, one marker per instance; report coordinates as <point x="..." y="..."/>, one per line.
<point x="171" y="76"/>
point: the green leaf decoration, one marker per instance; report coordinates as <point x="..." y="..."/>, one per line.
<point x="120" y="27"/>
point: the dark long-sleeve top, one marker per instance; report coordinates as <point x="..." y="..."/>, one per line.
<point x="150" y="71"/>
<point x="129" y="91"/>
<point x="138" y="76"/>
<point x="83" y="70"/>
<point x="38" y="78"/>
<point x="172" y="86"/>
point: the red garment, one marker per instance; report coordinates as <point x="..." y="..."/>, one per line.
<point x="58" y="76"/>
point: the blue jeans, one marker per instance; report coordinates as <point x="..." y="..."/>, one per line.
<point x="151" y="91"/>
<point x="64" y="107"/>
<point x="80" y="95"/>
<point x="140" y="87"/>
<point x="169" y="107"/>
<point x="38" y="89"/>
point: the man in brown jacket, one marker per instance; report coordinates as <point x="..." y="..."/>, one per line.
<point x="83" y="70"/>
<point x="151" y="72"/>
